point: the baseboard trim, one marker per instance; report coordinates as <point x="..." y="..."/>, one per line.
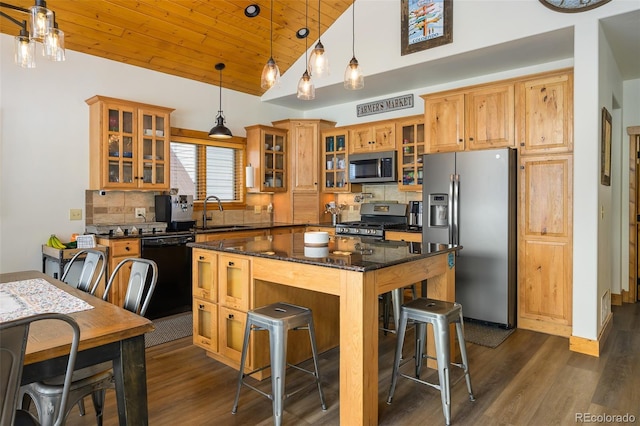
<point x="592" y="347"/>
<point x="617" y="299"/>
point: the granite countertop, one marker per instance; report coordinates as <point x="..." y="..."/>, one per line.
<point x="351" y="253"/>
<point x="208" y="230"/>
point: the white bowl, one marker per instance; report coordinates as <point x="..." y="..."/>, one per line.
<point x="316" y="237"/>
<point x="316" y="251"/>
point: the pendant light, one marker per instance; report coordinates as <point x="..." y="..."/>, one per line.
<point x="319" y="62"/>
<point x="353" y="78"/>
<point x="220" y="131"/>
<point x="42" y="27"/>
<point x="306" y="90"/>
<point x="270" y="72"/>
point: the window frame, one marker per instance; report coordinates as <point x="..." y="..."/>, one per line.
<point x="202" y="138"/>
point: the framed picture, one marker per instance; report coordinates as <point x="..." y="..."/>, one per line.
<point x="605" y="149"/>
<point x="425" y="24"/>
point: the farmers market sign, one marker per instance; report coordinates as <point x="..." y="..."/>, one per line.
<point x="385" y="105"/>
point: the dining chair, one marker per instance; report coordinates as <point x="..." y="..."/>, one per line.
<point x="13" y="344"/>
<point x="93" y="269"/>
<point x="96" y="379"/>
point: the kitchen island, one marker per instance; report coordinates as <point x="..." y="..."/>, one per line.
<point x="352" y="271"/>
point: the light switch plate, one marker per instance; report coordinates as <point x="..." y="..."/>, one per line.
<point x="141" y="212"/>
<point x="75" y="214"/>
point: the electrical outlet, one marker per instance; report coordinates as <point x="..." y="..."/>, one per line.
<point x="75" y="214"/>
<point x="257" y="209"/>
<point x="141" y="212"/>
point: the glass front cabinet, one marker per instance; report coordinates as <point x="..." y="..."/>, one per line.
<point x="267" y="154"/>
<point x="411" y="148"/>
<point x="334" y="158"/>
<point x="129" y="145"/>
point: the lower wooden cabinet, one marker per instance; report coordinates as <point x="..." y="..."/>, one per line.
<point x="205" y="324"/>
<point x="231" y="335"/>
<point x="119" y="249"/>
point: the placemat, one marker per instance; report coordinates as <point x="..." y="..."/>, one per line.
<point x="19" y="299"/>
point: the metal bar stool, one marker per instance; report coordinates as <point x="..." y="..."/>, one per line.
<point x="392" y="300"/>
<point x="440" y="314"/>
<point x="278" y="319"/>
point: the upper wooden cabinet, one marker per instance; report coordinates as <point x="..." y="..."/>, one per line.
<point x="545" y="114"/>
<point x="411" y="148"/>
<point x="444" y="122"/>
<point x="304" y="143"/>
<point x="479" y="118"/>
<point x="128" y="145"/>
<point x="377" y="136"/>
<point x="267" y="153"/>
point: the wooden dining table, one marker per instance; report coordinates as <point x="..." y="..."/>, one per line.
<point x="107" y="333"/>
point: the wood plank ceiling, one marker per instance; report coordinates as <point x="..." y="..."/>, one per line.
<point x="186" y="38"/>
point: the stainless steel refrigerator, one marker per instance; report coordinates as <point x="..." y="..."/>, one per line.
<point x="469" y="199"/>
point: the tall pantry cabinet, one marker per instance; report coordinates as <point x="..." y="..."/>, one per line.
<point x="544" y="133"/>
<point x="303" y="202"/>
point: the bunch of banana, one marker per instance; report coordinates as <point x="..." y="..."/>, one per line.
<point x="54" y="242"/>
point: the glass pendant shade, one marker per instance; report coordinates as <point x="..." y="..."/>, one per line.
<point x="220" y="131"/>
<point x="270" y="75"/>
<point x="24" y="51"/>
<point x="41" y="21"/>
<point x="318" y="61"/>
<point x="353" y="77"/>
<point x="53" y="45"/>
<point x="306" y="89"/>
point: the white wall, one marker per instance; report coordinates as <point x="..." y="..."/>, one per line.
<point x="44" y="145"/>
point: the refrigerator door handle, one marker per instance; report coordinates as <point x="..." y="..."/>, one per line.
<point x="456" y="209"/>
<point x="450" y="208"/>
<point x="379" y="166"/>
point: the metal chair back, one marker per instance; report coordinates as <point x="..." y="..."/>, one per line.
<point x="93" y="269"/>
<point x="13" y="344"/>
<point x="139" y="288"/>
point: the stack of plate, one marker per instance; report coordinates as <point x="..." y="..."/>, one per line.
<point x="316" y="244"/>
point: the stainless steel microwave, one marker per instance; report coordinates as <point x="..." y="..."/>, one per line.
<point x="372" y="167"/>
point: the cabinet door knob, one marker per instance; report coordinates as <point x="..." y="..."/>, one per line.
<point x="201" y="257"/>
<point x="231" y="264"/>
<point x="470" y="139"/>
<point x="126" y="248"/>
<point x="201" y="306"/>
<point x="230" y="316"/>
<point x="459" y="140"/>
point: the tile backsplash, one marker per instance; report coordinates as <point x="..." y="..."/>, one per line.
<point x="119" y="207"/>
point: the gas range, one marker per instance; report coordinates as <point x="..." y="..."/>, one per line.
<point x="133" y="229"/>
<point x="375" y="218"/>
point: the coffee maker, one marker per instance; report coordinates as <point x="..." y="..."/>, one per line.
<point x="176" y="211"/>
<point x="415" y="215"/>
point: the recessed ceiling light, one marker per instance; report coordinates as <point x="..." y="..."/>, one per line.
<point x="302" y="32"/>
<point x="252" y="11"/>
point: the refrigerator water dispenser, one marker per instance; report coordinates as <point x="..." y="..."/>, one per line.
<point x="438" y="210"/>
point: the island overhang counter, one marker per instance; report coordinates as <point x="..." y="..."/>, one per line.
<point x="355" y="270"/>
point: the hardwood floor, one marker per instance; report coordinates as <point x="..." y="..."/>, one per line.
<point x="531" y="379"/>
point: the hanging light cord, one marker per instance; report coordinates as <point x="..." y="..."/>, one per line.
<point x="220" y="103"/>
<point x="319" y="21"/>
<point x="306" y="39"/>
<point x="353" y="29"/>
<point x="271" y="56"/>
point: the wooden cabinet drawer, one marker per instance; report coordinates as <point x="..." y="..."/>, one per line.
<point x="205" y="275"/>
<point x="234" y="278"/>
<point x="127" y="248"/>
<point x="205" y="325"/>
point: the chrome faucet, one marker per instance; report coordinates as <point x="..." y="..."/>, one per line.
<point x="204" y="208"/>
